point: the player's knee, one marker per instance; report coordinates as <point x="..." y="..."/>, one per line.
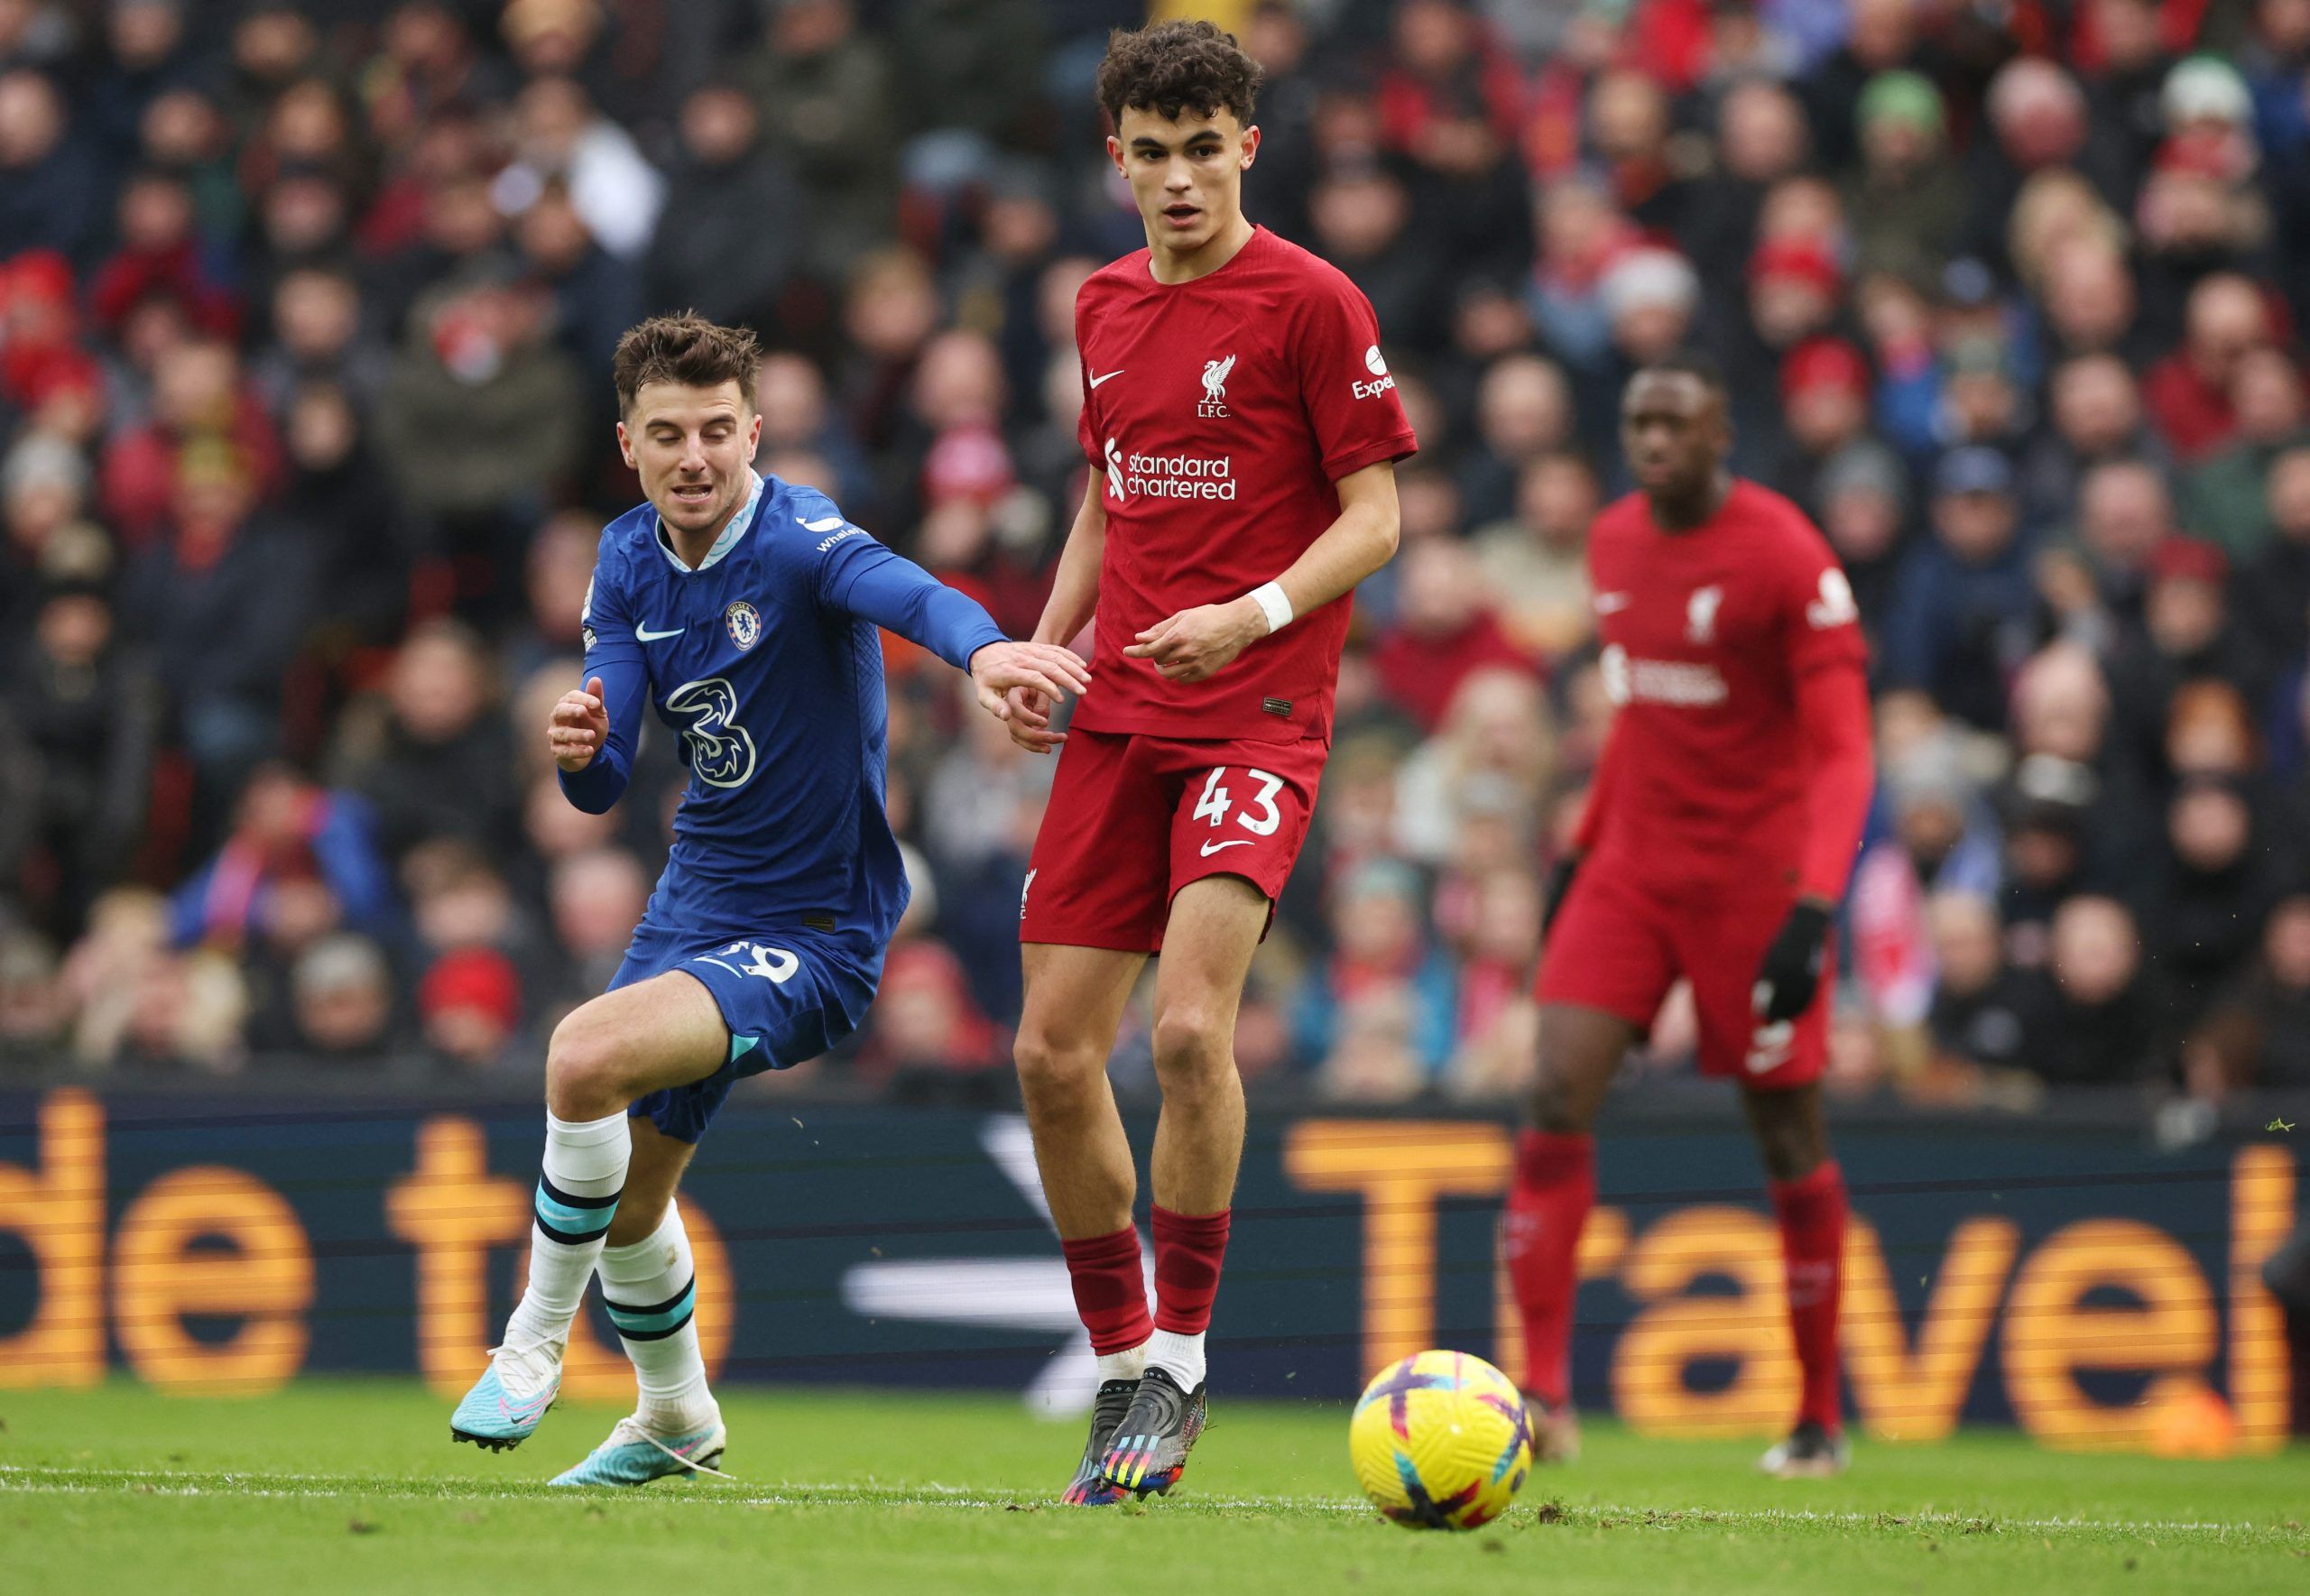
<point x="1555" y="1107"/>
<point x="1054" y="1076"/>
<point x="1791" y="1152"/>
<point x="1190" y="1046"/>
<point x="585" y="1068"/>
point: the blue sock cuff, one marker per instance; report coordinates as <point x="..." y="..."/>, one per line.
<point x="571" y="1220"/>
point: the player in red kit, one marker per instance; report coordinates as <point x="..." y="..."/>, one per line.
<point x="1715" y="846"/>
<point x="1241" y="426"/>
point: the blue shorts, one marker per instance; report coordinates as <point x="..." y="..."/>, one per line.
<point x="787" y="995"/>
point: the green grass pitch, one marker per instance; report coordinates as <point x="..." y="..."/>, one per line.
<point x="353" y="1486"/>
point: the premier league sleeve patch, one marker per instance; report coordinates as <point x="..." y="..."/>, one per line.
<point x="744" y="623"/>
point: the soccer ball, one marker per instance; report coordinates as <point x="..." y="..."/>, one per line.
<point x="1440" y="1441"/>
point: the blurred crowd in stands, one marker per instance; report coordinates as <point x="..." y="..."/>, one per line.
<point x="305" y="445"/>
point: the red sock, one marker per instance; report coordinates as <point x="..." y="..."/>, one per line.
<point x="1110" y="1290"/>
<point x="1188" y="1251"/>
<point x="1811" y="1212"/>
<point x="1556" y="1186"/>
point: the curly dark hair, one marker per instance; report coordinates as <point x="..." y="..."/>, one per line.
<point x="1178" y="67"/>
<point x="685" y="348"/>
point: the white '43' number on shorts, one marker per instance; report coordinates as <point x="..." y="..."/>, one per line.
<point x="1215" y="804"/>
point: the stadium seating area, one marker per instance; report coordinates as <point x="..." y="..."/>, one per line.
<point x="305" y="442"/>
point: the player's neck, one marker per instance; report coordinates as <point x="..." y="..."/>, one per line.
<point x="1172" y="267"/>
<point x="1687" y="512"/>
<point x="692" y="548"/>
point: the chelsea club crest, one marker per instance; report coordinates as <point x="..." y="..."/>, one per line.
<point x="744" y="623"/>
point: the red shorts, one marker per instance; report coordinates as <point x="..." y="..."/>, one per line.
<point x="1134" y="817"/>
<point x="1619" y="944"/>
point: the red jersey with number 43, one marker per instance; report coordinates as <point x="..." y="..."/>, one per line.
<point x="1705" y="635"/>
<point x="1221" y="411"/>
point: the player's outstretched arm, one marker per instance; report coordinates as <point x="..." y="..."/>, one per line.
<point x="868" y="580"/>
<point x="1202" y="642"/>
<point x="1074" y="599"/>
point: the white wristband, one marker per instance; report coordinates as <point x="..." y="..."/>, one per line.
<point x="1270" y="598"/>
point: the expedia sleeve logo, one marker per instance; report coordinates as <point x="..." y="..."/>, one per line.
<point x="1380" y="381"/>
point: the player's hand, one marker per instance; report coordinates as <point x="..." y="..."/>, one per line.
<point x="1199" y="642"/>
<point x="1029" y="721"/>
<point x="1044" y="670"/>
<point x="1791" y="972"/>
<point x="579" y="726"/>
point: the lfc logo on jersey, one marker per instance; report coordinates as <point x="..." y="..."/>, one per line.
<point x="744" y="623"/>
<point x="1215" y="387"/>
<point x="1700" y="613"/>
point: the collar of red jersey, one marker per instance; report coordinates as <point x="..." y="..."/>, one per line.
<point x="738" y="529"/>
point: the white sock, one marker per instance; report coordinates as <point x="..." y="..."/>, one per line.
<point x="1128" y="1364"/>
<point x="1178" y="1356"/>
<point x="576" y="1197"/>
<point x="651" y="1290"/>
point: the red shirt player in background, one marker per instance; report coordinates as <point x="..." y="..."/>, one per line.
<point x="1715" y="844"/>
<point x="1241" y="426"/>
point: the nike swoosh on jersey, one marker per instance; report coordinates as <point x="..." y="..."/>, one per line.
<point x="645" y="635"/>
<point x="1110" y="377"/>
<point x="1610" y="603"/>
<point x="823" y="524"/>
<point x="1211" y="848"/>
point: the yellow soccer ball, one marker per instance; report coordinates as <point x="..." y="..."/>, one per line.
<point x="1441" y="1441"/>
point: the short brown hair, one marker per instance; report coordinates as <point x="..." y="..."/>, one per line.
<point x="1175" y="67"/>
<point x="688" y="349"/>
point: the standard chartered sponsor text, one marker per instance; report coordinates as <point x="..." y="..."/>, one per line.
<point x="1181" y="476"/>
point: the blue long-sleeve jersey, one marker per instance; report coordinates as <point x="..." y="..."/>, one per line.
<point x="766" y="661"/>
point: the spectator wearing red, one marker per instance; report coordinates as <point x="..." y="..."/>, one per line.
<point x="41" y="356"/>
<point x="1444" y="65"/>
<point x="929" y="1041"/>
<point x="1442" y="633"/>
<point x="1795" y="285"/>
<point x="287" y="831"/>
<point x="469" y="1006"/>
<point x="199" y="399"/>
<point x="162" y="256"/>
<point x="1825" y="405"/>
<point x="2188" y="393"/>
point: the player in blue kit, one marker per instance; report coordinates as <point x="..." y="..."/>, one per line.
<point x="744" y="609"/>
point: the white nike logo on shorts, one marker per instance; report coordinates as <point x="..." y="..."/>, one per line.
<point x="1211" y="848"/>
<point x="1610" y="603"/>
<point x="643" y="634"/>
<point x="1110" y="377"/>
